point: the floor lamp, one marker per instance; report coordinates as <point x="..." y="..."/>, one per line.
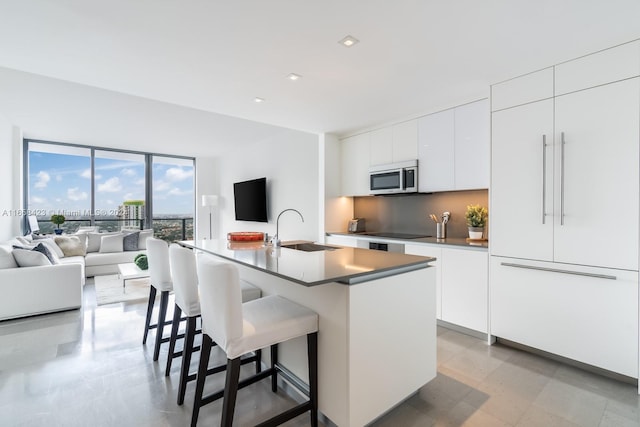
<point x="210" y="201"/>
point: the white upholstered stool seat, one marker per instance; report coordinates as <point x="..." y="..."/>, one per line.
<point x="240" y="328"/>
<point x="187" y="302"/>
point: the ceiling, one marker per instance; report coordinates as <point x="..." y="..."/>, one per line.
<point x="414" y="56"/>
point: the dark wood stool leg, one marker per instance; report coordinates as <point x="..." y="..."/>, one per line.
<point x="164" y="302"/>
<point x="230" y="391"/>
<point x="175" y="325"/>
<point x="147" y="323"/>
<point x="274" y="361"/>
<point x="312" y="355"/>
<point x="187" y="350"/>
<point x="205" y="352"/>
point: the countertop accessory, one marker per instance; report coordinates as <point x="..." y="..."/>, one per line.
<point x="434" y="218"/>
<point x="356" y="225"/>
<point x="476" y="217"/>
<point x="245" y="236"/>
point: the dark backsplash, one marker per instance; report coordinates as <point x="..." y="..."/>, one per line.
<point x="410" y="213"/>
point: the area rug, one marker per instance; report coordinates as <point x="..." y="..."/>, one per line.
<point x="109" y="289"/>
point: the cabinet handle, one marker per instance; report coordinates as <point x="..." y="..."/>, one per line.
<point x="556" y="270"/>
<point x="562" y="143"/>
<point x="544" y="177"/>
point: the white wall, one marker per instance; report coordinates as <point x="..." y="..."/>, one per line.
<point x="289" y="161"/>
<point x="9" y="218"/>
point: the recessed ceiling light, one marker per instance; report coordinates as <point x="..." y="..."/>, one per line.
<point x="349" y="41"/>
<point x="258" y="100"/>
<point x="294" y="76"/>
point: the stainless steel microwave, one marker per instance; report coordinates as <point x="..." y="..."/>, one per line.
<point x="394" y="178"/>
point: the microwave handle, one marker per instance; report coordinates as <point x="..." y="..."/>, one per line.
<point x="403" y="179"/>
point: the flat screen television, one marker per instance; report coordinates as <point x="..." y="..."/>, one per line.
<point x="250" y="199"/>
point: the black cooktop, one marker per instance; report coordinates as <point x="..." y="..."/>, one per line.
<point x="395" y="235"/>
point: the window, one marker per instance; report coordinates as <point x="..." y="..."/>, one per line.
<point x="111" y="189"/>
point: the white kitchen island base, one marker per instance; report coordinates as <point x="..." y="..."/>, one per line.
<point x="376" y="340"/>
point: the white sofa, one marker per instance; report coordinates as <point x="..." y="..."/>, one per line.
<point x="27" y="291"/>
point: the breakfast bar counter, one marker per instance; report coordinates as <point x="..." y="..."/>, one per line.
<point x="377" y="319"/>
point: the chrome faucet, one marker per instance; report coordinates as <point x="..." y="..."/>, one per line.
<point x="276" y="239"/>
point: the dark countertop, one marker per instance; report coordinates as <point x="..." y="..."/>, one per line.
<point x="459" y="242"/>
<point x="343" y="265"/>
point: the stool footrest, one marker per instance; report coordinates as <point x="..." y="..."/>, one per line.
<point x="287" y="415"/>
<point x="242" y="384"/>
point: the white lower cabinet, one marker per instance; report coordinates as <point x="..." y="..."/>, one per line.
<point x="465" y="277"/>
<point x="586" y="314"/>
<point x="461" y="284"/>
<point x="435" y="252"/>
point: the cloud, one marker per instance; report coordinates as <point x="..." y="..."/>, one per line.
<point x="111" y="185"/>
<point x="161" y="185"/>
<point x="75" y="194"/>
<point x="59" y="178"/>
<point x="43" y="180"/>
<point x="128" y="172"/>
<point x="38" y="200"/>
<point x="178" y="174"/>
<point x="179" y="192"/>
<point x="87" y="174"/>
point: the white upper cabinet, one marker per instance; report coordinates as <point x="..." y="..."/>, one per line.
<point x="522" y="181"/>
<point x="381" y="146"/>
<point x="405" y="141"/>
<point x="355" y="165"/>
<point x="610" y="65"/>
<point x="453" y="149"/>
<point x="395" y="143"/>
<point x="522" y="90"/>
<point x="472" y="146"/>
<point x="436" y="152"/>
<point x="597" y="151"/>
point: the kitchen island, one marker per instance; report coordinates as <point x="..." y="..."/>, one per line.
<point x="377" y="320"/>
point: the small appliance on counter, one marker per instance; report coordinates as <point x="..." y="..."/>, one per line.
<point x="356" y="225"/>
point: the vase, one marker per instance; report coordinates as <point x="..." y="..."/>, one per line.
<point x="58" y="231"/>
<point x="476" y="233"/>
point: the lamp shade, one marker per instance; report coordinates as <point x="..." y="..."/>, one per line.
<point x="209" y="200"/>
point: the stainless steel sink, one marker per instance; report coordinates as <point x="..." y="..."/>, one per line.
<point x="309" y="247"/>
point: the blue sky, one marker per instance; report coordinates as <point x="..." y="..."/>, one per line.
<point x="63" y="182"/>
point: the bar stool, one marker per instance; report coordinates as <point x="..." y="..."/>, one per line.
<point x="187" y="301"/>
<point x="240" y="328"/>
<point x="160" y="280"/>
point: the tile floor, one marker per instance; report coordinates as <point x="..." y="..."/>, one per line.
<point x="88" y="367"/>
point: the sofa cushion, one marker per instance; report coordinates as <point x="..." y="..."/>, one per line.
<point x="130" y="241"/>
<point x="94" y="240"/>
<point x="142" y="239"/>
<point x="70" y="245"/>
<point x="111" y="243"/>
<point x="96" y="258"/>
<point x="6" y="258"/>
<point x="29" y="258"/>
<point x="52" y="245"/>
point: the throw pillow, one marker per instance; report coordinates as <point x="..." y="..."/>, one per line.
<point x="71" y="245"/>
<point x="24" y="240"/>
<point x="95" y="239"/>
<point x="130" y="241"/>
<point x="142" y="239"/>
<point x="29" y="258"/>
<point x="51" y="244"/>
<point x="111" y="243"/>
<point x="6" y="258"/>
<point x="51" y="256"/>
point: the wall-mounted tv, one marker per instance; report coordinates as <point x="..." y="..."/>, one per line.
<point x="250" y="199"/>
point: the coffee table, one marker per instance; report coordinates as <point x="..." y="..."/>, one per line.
<point x="130" y="271"/>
